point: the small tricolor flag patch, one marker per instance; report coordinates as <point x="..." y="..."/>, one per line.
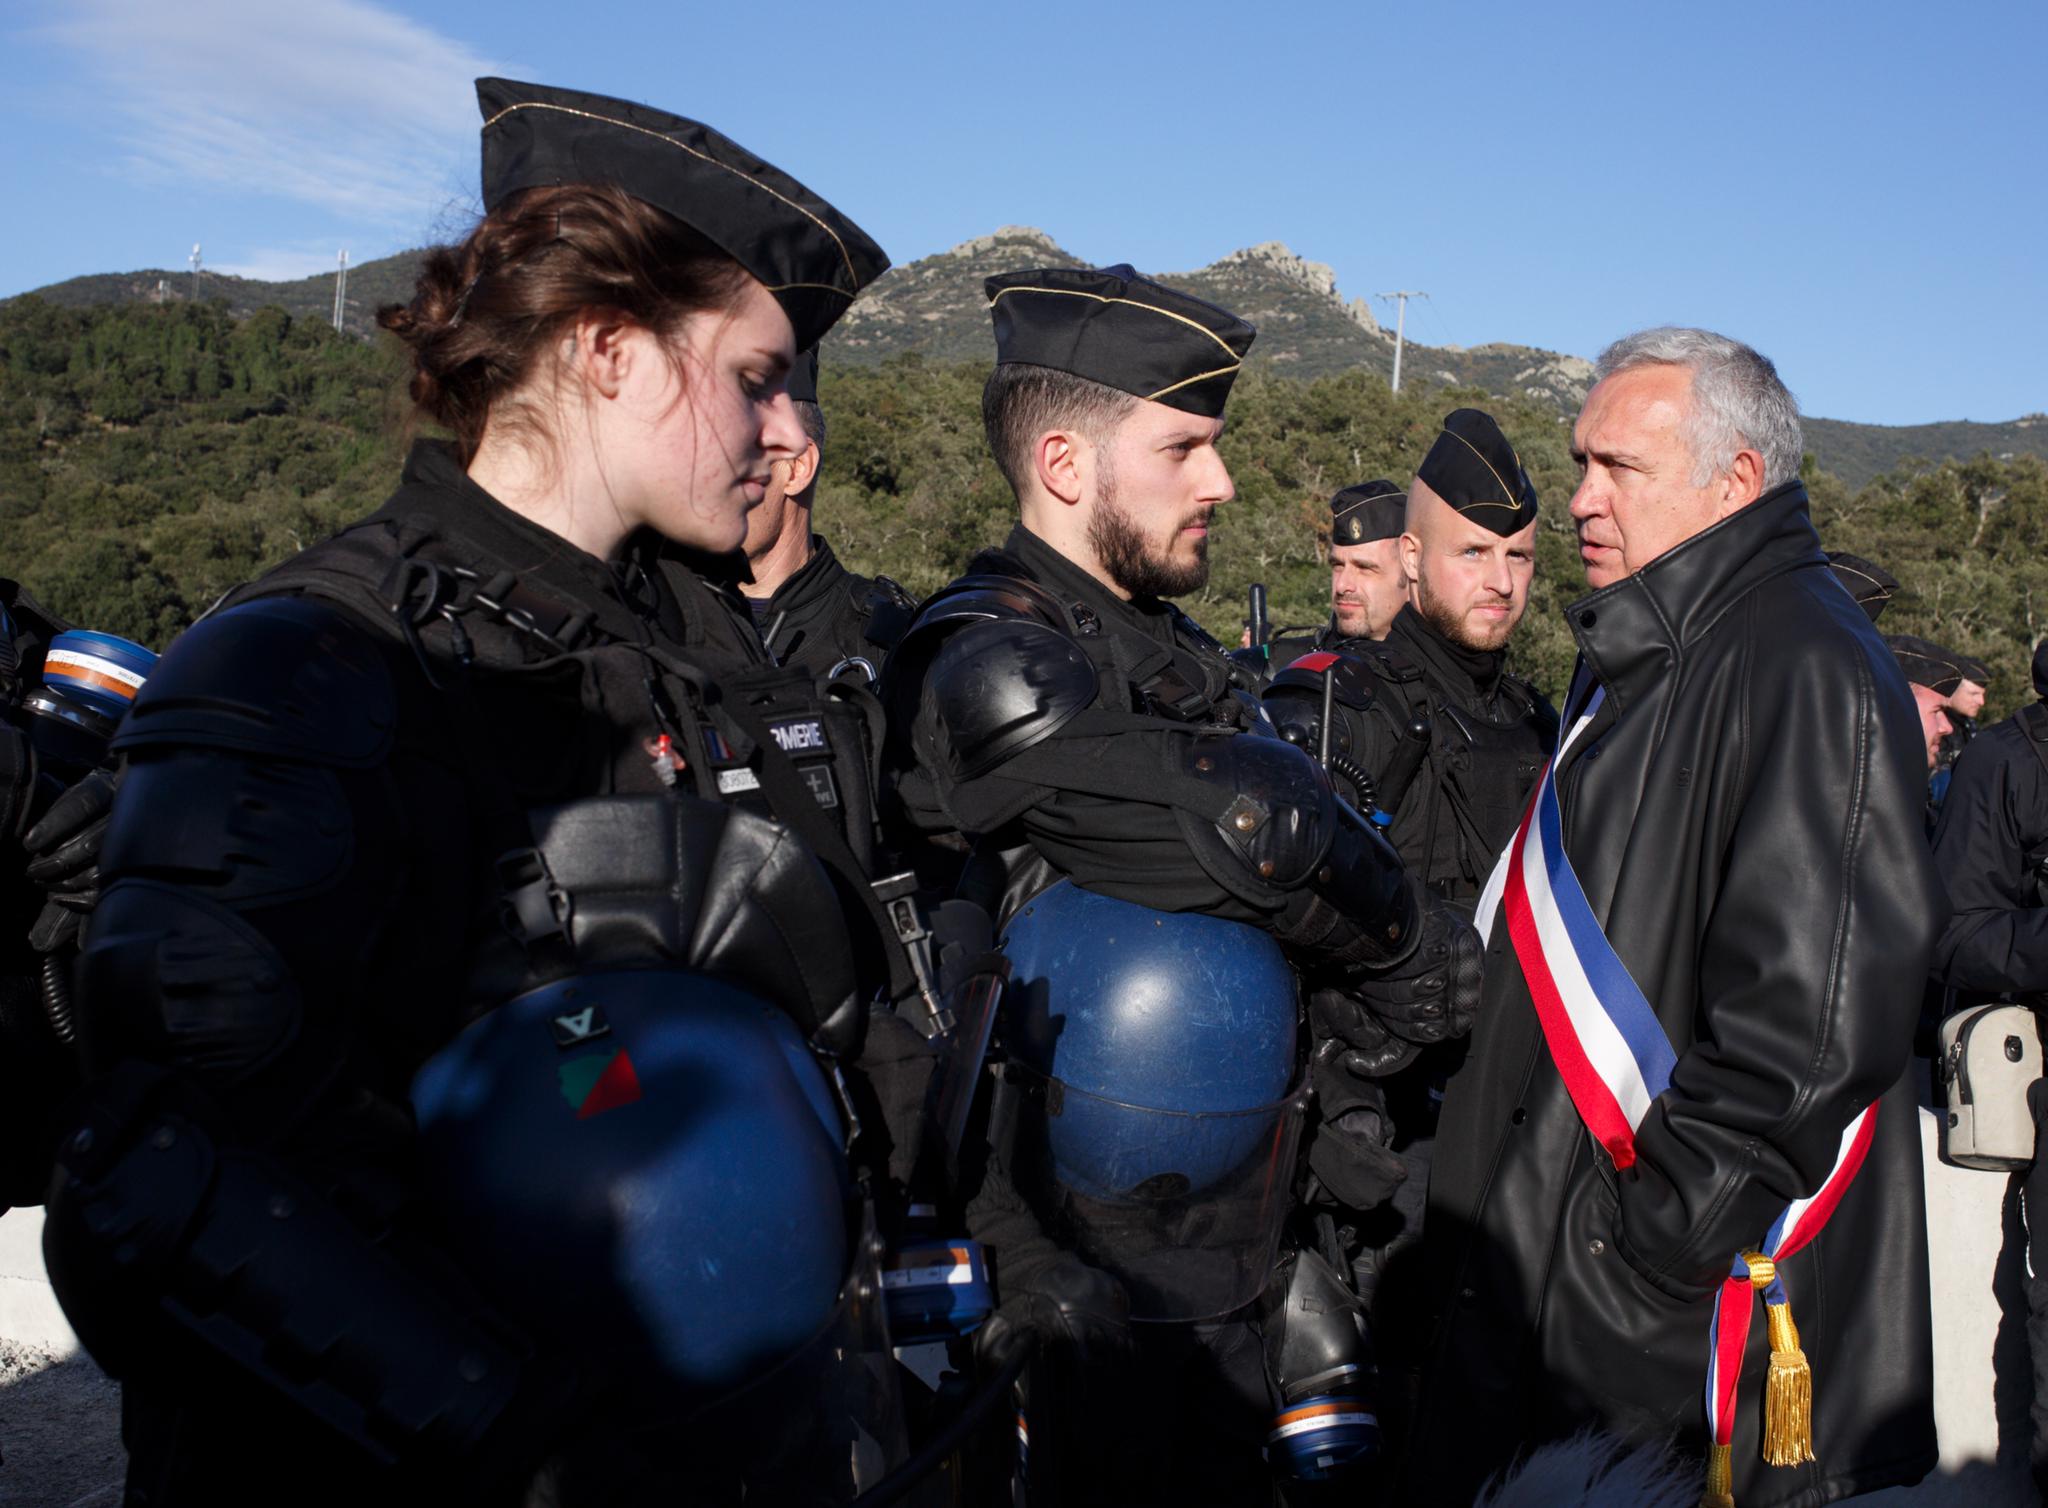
<point x="600" y="1082"/>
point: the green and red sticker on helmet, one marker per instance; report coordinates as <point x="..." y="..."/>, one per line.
<point x="595" y="1082"/>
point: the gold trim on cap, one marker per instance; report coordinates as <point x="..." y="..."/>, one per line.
<point x="626" y="125"/>
<point x="1191" y="381"/>
<point x="1514" y="504"/>
<point x="1101" y="298"/>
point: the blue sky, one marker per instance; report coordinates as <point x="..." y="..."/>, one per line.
<point x="1858" y="190"/>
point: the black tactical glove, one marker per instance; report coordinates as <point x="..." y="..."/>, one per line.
<point x="64" y="858"/>
<point x="1432" y="994"/>
<point x="1343" y="1029"/>
<point x="1349" y="1151"/>
<point x="1078" y="1315"/>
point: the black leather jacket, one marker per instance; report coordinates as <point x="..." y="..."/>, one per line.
<point x="1744" y="815"/>
<point x="1989" y="846"/>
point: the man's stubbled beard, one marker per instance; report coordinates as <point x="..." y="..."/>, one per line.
<point x="1449" y="620"/>
<point x="1120" y="545"/>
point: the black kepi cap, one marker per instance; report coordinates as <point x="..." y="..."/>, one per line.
<point x="1116" y="327"/>
<point x="1974" y="669"/>
<point x="1869" y="583"/>
<point x="1926" y="663"/>
<point x="1367" y="512"/>
<point x="810" y="256"/>
<point x="803" y="377"/>
<point x="1474" y="469"/>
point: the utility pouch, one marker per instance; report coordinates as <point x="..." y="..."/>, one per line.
<point x="1989" y="1056"/>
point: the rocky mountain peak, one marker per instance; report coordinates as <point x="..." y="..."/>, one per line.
<point x="1317" y="277"/>
<point x="1021" y="239"/>
<point x="1277" y="258"/>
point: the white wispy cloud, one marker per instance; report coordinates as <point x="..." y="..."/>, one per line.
<point x="280" y="264"/>
<point x="337" y="103"/>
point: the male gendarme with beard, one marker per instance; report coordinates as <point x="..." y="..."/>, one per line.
<point x="1056" y="712"/>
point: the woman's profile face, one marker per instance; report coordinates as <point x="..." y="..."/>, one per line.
<point x="708" y="416"/>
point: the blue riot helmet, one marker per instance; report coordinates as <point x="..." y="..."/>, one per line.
<point x="1154" y="1100"/>
<point x="648" y="1166"/>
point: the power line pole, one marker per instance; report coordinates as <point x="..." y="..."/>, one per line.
<point x="340" y="289"/>
<point x="1400" y="298"/>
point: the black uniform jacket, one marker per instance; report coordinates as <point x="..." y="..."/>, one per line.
<point x="1744" y="817"/>
<point x="829" y="615"/>
<point x="819" y="619"/>
<point x="345" y="872"/>
<point x="1466" y="785"/>
<point x="718" y="626"/>
<point x="1129" y="849"/>
<point x="1277" y="653"/>
<point x="1993" y="831"/>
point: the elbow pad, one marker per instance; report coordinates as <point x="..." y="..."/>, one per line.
<point x="155" y="1229"/>
<point x="1267" y="828"/>
<point x="1258" y="813"/>
<point x="1363" y="911"/>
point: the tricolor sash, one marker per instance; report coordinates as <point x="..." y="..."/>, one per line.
<point x="1615" y="1059"/>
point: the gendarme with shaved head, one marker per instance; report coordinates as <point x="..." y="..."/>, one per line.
<point x="1469" y="549"/>
<point x="1434" y="736"/>
<point x="1685" y="1118"/>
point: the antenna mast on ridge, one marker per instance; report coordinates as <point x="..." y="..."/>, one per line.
<point x="193" y="262"/>
<point x="341" y="289"/>
<point x="1400" y="298"/>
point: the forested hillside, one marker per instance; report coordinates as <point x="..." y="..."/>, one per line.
<point x="934" y="307"/>
<point x="153" y="456"/>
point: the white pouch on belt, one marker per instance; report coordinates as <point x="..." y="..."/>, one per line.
<point x="1989" y="1056"/>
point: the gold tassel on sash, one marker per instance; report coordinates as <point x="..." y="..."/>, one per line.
<point x="1788" y="1390"/>
<point x="1788" y="1394"/>
<point x="1720" y="1488"/>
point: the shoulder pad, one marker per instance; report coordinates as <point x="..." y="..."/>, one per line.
<point x="1354" y="681"/>
<point x="289" y="676"/>
<point x="1004" y="685"/>
<point x="989" y="595"/>
<point x="888" y="609"/>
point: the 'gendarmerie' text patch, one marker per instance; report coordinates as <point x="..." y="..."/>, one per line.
<point x="799" y="736"/>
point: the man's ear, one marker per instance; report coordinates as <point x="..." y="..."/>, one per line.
<point x="1411" y="558"/>
<point x="803" y="470"/>
<point x="1057" y="458"/>
<point x="1744" y="482"/>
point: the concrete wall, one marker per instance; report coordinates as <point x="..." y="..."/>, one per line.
<point x="28" y="1310"/>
